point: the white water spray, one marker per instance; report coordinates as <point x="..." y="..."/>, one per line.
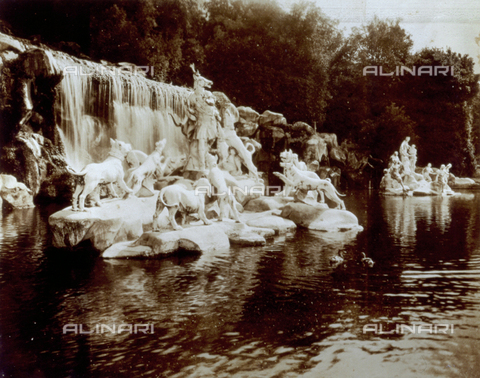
<point x="92" y="108"/>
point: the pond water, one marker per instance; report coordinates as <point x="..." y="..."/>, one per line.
<point x="276" y="311"/>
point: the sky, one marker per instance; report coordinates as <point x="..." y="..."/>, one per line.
<point x="431" y="23"/>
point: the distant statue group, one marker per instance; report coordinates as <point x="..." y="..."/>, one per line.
<point x="403" y="177"/>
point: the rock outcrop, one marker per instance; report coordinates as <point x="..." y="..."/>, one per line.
<point x="247" y="125"/>
<point x="319" y="218"/>
<point x="270" y="118"/>
<point x="193" y="238"/>
<point x="15" y="194"/>
<point x="34" y="160"/>
<point x="115" y="221"/>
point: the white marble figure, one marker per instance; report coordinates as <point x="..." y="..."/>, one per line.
<point x="201" y="104"/>
<point x="412" y="152"/>
<point x="107" y="172"/>
<point x="388" y="184"/>
<point x="299" y="164"/>
<point x="404" y="154"/>
<point x="394" y="172"/>
<point x="177" y="197"/>
<point x="288" y="156"/>
<point x="427" y="171"/>
<point x="135" y="158"/>
<point x="226" y="199"/>
<point x="143" y="175"/>
<point x="402" y="173"/>
<point x="443" y="175"/>
<point x="233" y="163"/>
<point x="230" y="115"/>
<point x="304" y="180"/>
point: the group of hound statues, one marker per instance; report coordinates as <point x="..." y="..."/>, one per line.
<point x="403" y="176"/>
<point x="144" y="171"/>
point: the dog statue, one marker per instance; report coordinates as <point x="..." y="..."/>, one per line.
<point x="143" y="175"/>
<point x="226" y="199"/>
<point x="178" y="198"/>
<point x="299" y="179"/>
<point x="135" y="158"/>
<point x="107" y="172"/>
<point x="286" y="157"/>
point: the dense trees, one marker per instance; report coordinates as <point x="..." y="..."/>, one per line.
<point x="269" y="59"/>
<point x="437" y="111"/>
<point x="295" y="62"/>
<point x="161" y="34"/>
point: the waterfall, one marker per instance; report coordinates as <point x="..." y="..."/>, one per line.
<point x="96" y="103"/>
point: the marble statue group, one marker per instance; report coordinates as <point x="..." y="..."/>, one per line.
<point x="211" y="187"/>
<point x="403" y="177"/>
<point x="207" y="124"/>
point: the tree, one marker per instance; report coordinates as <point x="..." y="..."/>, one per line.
<point x="442" y="106"/>
<point x="148" y="33"/>
<point x="264" y="57"/>
<point x="386" y="131"/>
<point x="355" y="97"/>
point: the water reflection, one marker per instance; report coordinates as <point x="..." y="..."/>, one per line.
<point x="279" y="310"/>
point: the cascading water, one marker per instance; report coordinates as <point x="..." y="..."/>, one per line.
<point x="96" y="103"/>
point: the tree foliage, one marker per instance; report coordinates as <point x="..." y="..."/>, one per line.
<point x="270" y="59"/>
<point x="157" y="33"/>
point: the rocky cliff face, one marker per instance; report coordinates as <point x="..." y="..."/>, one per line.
<point x="31" y="148"/>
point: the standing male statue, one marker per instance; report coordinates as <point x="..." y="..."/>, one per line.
<point x="201" y="104"/>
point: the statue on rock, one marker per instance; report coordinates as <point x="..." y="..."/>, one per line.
<point x="144" y="175"/>
<point x="233" y="163"/>
<point x="427" y="172"/>
<point x="107" y="172"/>
<point x="412" y="152"/>
<point x="177" y="198"/>
<point x="299" y="179"/>
<point x="404" y="154"/>
<point x="226" y="199"/>
<point x="401" y="179"/>
<point x="238" y="151"/>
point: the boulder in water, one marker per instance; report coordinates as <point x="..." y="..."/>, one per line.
<point x="268" y="220"/>
<point x="115" y="221"/>
<point x="320" y="218"/>
<point x="15" y="194"/>
<point x="464" y="183"/>
<point x="265" y="203"/>
<point x="150" y="244"/>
